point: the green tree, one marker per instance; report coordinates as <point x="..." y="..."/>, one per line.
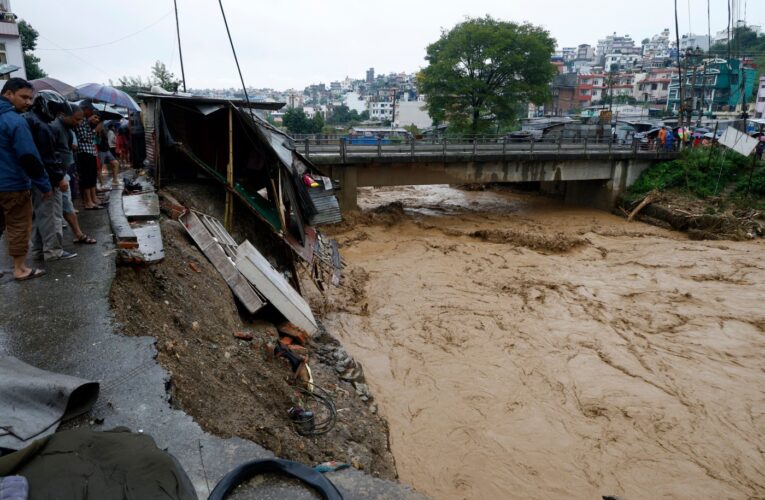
<point x="480" y="70"/>
<point x="297" y="122"/>
<point x="159" y="76"/>
<point x="28" y="44"/>
<point x="164" y="78"/>
<point x="317" y="123"/>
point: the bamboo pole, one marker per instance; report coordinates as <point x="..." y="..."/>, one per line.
<point x="229" y="212"/>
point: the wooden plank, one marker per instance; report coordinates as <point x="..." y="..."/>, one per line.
<point x="150" y="241"/>
<point x="215" y="254"/>
<point x="274" y="287"/>
<point x="143" y="206"/>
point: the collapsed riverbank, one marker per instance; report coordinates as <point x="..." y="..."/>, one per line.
<point x="522" y="348"/>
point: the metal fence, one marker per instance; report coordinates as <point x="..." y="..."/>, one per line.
<point x="345" y="148"/>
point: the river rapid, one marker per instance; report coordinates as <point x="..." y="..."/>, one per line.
<point x="521" y="348"/>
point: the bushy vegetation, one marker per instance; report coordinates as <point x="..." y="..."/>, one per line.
<point x="702" y="173"/>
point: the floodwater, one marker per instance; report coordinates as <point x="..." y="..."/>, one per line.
<point x="520" y="348"/>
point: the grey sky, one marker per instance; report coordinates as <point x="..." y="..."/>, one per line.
<point x="292" y="43"/>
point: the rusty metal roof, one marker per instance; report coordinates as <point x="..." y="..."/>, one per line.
<point x="272" y="106"/>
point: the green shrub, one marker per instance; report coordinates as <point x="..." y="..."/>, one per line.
<point x="701" y="172"/>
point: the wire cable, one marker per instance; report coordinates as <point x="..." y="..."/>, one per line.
<point x="236" y="59"/>
<point x="87" y="47"/>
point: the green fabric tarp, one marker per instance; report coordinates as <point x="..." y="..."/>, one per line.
<point x="82" y="464"/>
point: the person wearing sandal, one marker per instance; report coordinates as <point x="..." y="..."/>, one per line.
<point x="87" y="159"/>
<point x="62" y="135"/>
<point x="47" y="233"/>
<point x="20" y="168"/>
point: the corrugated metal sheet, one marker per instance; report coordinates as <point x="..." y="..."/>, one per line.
<point x="150" y="136"/>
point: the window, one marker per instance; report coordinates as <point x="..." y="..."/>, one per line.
<point x="664" y="86"/>
<point x="3" y="57"/>
<point x="654" y="86"/>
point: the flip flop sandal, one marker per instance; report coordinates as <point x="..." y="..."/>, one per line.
<point x="85" y="240"/>
<point x="36" y="273"/>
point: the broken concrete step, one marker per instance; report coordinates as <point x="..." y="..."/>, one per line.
<point x="144" y="206"/>
<point x="123" y="234"/>
<point x="150" y="241"/>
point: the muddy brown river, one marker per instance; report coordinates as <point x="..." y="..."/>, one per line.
<point x="520" y="348"/>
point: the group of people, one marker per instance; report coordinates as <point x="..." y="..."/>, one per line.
<point x="49" y="148"/>
<point x="669" y="140"/>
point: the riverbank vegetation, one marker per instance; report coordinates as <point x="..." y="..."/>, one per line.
<point x="709" y="193"/>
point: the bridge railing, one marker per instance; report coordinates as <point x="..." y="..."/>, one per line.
<point x="345" y="148"/>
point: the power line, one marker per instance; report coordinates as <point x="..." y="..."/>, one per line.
<point x="87" y="47"/>
<point x="236" y="60"/>
<point x="76" y="56"/>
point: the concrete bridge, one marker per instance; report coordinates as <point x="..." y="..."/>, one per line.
<point x="586" y="172"/>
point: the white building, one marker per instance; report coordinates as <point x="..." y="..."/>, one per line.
<point x="691" y="41"/>
<point x="412" y="113"/>
<point x="354" y="102"/>
<point x="657" y="47"/>
<point x="620" y="61"/>
<point x="10" y="41"/>
<point x="759" y="104"/>
<point x="381" y="110"/>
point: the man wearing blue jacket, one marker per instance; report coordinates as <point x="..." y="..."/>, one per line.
<point x="20" y="168"/>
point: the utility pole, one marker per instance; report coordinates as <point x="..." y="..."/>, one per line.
<point x="180" y="52"/>
<point x="681" y="94"/>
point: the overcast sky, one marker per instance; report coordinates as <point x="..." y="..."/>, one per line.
<point x="292" y="43"/>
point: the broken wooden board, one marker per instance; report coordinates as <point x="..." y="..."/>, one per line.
<point x="150" y="241"/>
<point x="274" y="287"/>
<point x="215" y="254"/>
<point x="123" y="233"/>
<point x="144" y="206"/>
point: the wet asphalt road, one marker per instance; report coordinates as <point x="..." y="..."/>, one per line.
<point x="62" y="322"/>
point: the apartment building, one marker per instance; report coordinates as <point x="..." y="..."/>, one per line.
<point x="10" y="41"/>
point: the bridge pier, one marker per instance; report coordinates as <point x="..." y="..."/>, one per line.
<point x="603" y="194"/>
<point x="347" y="176"/>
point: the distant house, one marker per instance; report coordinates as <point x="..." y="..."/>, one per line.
<point x="759" y="106"/>
<point x="10" y="41"/>
<point x="717" y="85"/>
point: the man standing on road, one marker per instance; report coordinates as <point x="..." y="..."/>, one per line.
<point x="47" y="236"/>
<point x="87" y="161"/>
<point x="20" y="168"/>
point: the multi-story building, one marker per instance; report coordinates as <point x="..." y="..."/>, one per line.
<point x="759" y="104"/>
<point x="564" y="96"/>
<point x="652" y="86"/>
<point x="715" y="85"/>
<point x="585" y="52"/>
<point x="657" y="47"/>
<point x="10" y="41"/>
<point x="691" y="41"/>
<point x="370" y="75"/>
<point x="615" y="44"/>
<point x="569" y="53"/>
<point x="621" y="62"/>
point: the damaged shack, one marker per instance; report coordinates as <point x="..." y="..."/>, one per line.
<point x="273" y="196"/>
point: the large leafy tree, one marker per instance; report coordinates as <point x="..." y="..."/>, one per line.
<point x="297" y="122"/>
<point x="29" y="37"/>
<point x="483" y="70"/>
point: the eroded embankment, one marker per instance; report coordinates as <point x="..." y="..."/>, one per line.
<point x="519" y="348"/>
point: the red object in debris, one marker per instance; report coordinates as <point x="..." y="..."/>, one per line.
<point x="296" y="333"/>
<point x="194" y="267"/>
<point x="309" y="181"/>
<point x="243" y="335"/>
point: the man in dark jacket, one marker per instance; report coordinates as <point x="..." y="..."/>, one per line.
<point x="20" y="168"/>
<point x="47" y="235"/>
